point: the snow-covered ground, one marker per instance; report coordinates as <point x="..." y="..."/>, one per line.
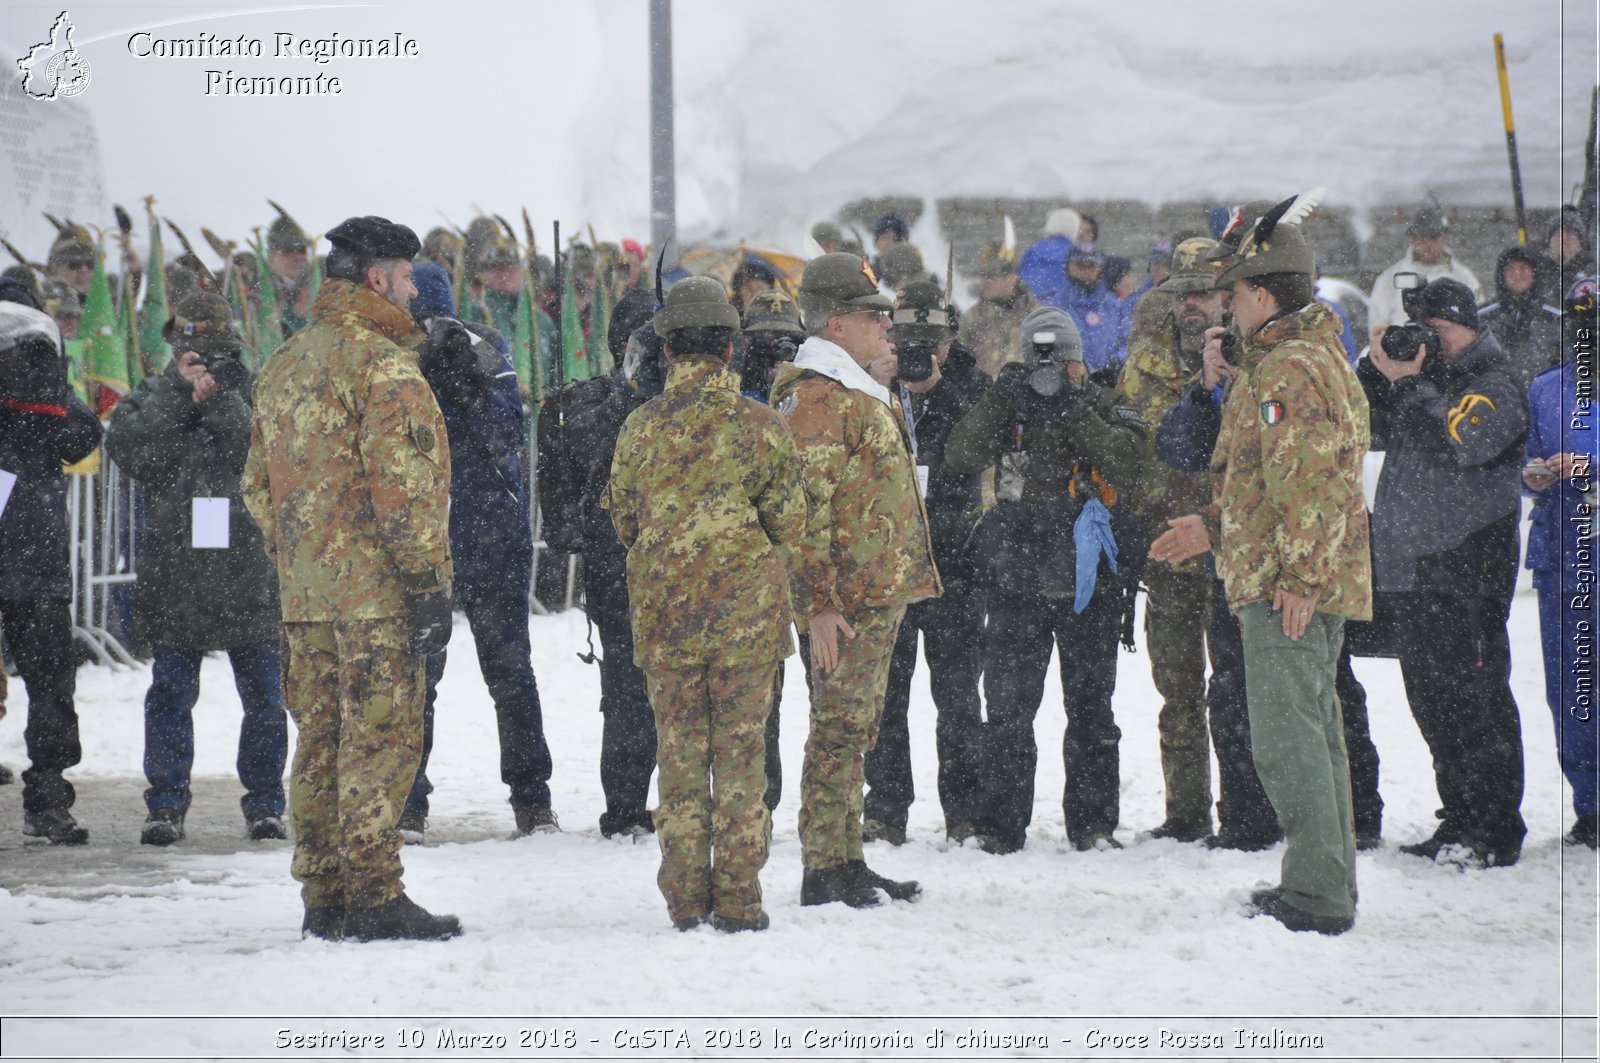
<point x="1441" y="963"/>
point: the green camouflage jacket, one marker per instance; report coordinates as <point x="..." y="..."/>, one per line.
<point x="992" y="327"/>
<point x="349" y="467"/>
<point x="1286" y="474"/>
<point x="866" y="540"/>
<point x="1153" y="379"/>
<point x="705" y="486"/>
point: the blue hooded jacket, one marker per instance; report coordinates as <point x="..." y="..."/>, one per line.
<point x="491" y="533"/>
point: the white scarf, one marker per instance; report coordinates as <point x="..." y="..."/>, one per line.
<point x="830" y="360"/>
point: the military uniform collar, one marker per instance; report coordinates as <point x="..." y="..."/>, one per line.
<point x="341" y="298"/>
<point x="700" y="373"/>
<point x="1308" y="318"/>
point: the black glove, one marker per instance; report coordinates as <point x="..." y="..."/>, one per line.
<point x="429" y="614"/>
<point x="1012" y="385"/>
<point x="452" y="366"/>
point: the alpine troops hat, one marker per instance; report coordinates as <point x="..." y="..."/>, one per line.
<point x="696" y="302"/>
<point x="202" y="322"/>
<point x="923" y="315"/>
<point x="1191" y="270"/>
<point x="839" y="283"/>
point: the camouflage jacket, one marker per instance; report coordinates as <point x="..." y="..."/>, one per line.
<point x="1286" y="473"/>
<point x="866" y="540"/>
<point x="705" y="486"/>
<point x="1153" y="380"/>
<point x="349" y="467"/>
<point x="991" y="328"/>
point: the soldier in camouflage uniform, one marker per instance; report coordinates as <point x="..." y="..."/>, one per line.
<point x="1160" y="365"/>
<point x="990" y="329"/>
<point x="705" y="485"/>
<point x="1290" y="527"/>
<point x="289" y="258"/>
<point x="866" y="555"/>
<point x="348" y="477"/>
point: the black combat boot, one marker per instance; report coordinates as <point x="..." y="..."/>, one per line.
<point x="897" y="891"/>
<point x="164" y="826"/>
<point x="837" y="883"/>
<point x="402" y="919"/>
<point x="729" y="925"/>
<point x="1300" y="920"/>
<point x="1183" y="830"/>
<point x="55" y="825"/>
<point x="326" y="923"/>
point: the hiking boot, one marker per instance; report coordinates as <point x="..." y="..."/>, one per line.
<point x="1473" y="853"/>
<point x="729" y="925"/>
<point x="837" y="883"/>
<point x="55" y="825"/>
<point x="413" y="827"/>
<point x="402" y="919"/>
<point x="995" y="845"/>
<point x="1183" y="830"/>
<point x="1430" y="847"/>
<point x="690" y="922"/>
<point x="1098" y="840"/>
<point x="1585" y="831"/>
<point x="897" y="891"/>
<point x="1261" y="900"/>
<point x="1242" y="842"/>
<point x="531" y="820"/>
<point x="6" y="778"/>
<point x="1366" y="841"/>
<point x="162" y="827"/>
<point x="960" y="832"/>
<point x="876" y="830"/>
<point x="325" y="923"/>
<point x="1298" y="920"/>
<point x="266" y="826"/>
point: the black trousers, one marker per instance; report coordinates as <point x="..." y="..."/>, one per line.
<point x="499" y="620"/>
<point x="1455" y="659"/>
<point x="951" y="627"/>
<point x="1242" y="805"/>
<point x="1022" y="630"/>
<point x="628" y="733"/>
<point x="39" y="632"/>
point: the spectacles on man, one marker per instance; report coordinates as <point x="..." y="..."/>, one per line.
<point x="878" y="316"/>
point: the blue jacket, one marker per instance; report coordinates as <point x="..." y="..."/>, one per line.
<point x="1553" y="531"/>
<point x="1101" y="319"/>
<point x="1044" y="265"/>
<point x="491" y="533"/>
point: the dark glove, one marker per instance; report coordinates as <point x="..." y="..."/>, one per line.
<point x="33" y="373"/>
<point x="452" y="366"/>
<point x="429" y="614"/>
<point x="1012" y="385"/>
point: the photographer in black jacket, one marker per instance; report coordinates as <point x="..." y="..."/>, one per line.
<point x="939" y="384"/>
<point x="1449" y="413"/>
<point x="42" y="425"/>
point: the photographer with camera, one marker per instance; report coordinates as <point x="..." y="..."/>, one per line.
<point x="772" y="334"/>
<point x="939" y="384"/>
<point x="1064" y="449"/>
<point x="1448" y="412"/>
<point x="42" y="425"/>
<point x="204" y="580"/>
<point x="491" y="544"/>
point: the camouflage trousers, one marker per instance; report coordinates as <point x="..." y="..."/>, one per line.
<point x="711" y="822"/>
<point x="355" y="690"/>
<point x="1176" y="611"/>
<point x="846" y="706"/>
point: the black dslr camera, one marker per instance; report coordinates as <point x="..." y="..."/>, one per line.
<point x="1049" y="377"/>
<point x="225" y="368"/>
<point x="759" y="354"/>
<point x="916" y="359"/>
<point x="1402" y="343"/>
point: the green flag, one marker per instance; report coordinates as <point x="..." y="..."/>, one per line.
<point x="269" y="327"/>
<point x="527" y="347"/>
<point x="105" y="356"/>
<point x="128" y="329"/>
<point x="154" y="314"/>
<point x="600" y="323"/>
<point x="576" y="364"/>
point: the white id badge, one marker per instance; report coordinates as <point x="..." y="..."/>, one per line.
<point x="922" y="480"/>
<point x="210" y="524"/>
<point x="8" y="480"/>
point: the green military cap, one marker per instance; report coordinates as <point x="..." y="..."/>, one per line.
<point x="284" y="234"/>
<point x="901" y="263"/>
<point x="71" y="244"/>
<point x="1192" y="269"/>
<point x="696" y="302"/>
<point x="497" y="253"/>
<point x="1284" y="250"/>
<point x="827" y="232"/>
<point x="773" y="312"/>
<point x="841" y="282"/>
<point x="997" y="260"/>
<point x="202" y="322"/>
<point x="923" y="315"/>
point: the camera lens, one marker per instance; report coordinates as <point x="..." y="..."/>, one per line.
<point x="1047" y="380"/>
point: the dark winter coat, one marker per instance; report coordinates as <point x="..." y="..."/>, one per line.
<point x="34" y="442"/>
<point x="188" y="598"/>
<point x="953" y="497"/>
<point x="1528" y="327"/>
<point x="1452" y="437"/>
<point x="595" y="414"/>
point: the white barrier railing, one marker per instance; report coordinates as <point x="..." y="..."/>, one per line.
<point x="102" y="553"/>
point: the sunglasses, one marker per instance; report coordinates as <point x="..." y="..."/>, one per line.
<point x="78" y="263"/>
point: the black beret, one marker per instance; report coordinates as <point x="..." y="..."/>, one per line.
<point x="375" y="236"/>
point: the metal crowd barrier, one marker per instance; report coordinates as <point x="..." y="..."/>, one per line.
<point x="102" y="553"/>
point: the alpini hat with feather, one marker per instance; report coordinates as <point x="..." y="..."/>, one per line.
<point x="1275" y="243"/>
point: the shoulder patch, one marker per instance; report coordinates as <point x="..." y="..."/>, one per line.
<point x="1271" y="412"/>
<point x="1463" y="415"/>
<point x="423" y="436"/>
